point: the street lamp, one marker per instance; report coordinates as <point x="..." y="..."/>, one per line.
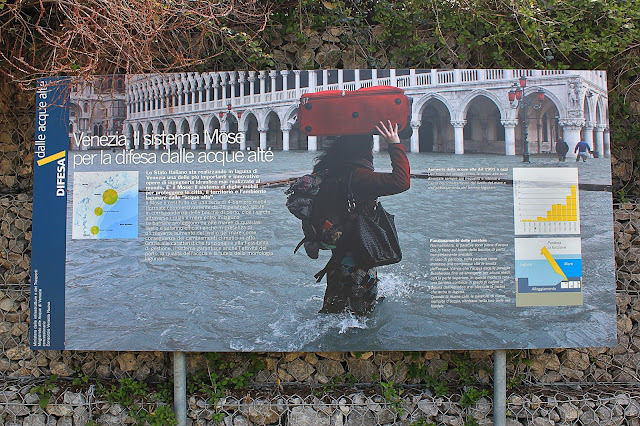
<point x="518" y="99"/>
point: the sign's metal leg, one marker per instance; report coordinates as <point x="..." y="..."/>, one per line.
<point x="500" y="388"/>
<point x="180" y="387"/>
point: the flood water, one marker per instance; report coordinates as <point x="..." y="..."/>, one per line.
<point x="117" y="301"/>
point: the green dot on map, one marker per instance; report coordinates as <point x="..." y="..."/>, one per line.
<point x="95" y="230"/>
<point x="110" y="196"/>
<point x="98" y="211"/>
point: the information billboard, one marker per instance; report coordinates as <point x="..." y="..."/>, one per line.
<point x="160" y="218"/>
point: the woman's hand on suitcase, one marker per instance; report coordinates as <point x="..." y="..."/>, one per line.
<point x="390" y="134"/>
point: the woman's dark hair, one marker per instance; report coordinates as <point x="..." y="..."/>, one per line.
<point x="344" y="151"/>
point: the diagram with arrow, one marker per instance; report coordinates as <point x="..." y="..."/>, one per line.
<point x="548" y="271"/>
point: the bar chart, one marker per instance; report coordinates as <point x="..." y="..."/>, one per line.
<point x="546" y="201"/>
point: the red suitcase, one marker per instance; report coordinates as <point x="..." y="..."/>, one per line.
<point x="340" y="112"/>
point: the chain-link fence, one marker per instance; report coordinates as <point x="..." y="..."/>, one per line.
<point x="546" y="387"/>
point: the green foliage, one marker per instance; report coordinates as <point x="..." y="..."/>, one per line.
<point x="350" y="379"/>
<point x="393" y="396"/>
<point x="44" y="390"/>
<point x="471" y="395"/>
<point x="520" y="362"/>
<point x="162" y="416"/>
<point x="80" y="378"/>
<point x="435" y="382"/>
<point x="464" y="369"/>
<point x="552" y="33"/>
<point x="125" y="392"/>
<point x="470" y="421"/>
<point x="220" y="376"/>
<point x="165" y="392"/>
<point x="133" y="395"/>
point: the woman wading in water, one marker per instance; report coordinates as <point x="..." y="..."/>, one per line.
<point x="352" y="287"/>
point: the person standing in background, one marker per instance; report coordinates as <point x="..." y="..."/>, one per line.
<point x="561" y="149"/>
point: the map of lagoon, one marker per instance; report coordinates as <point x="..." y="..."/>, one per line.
<point x="105" y="205"/>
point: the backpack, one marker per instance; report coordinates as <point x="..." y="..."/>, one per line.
<point x="312" y="199"/>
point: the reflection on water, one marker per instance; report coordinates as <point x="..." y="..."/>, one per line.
<point x="116" y="301"/>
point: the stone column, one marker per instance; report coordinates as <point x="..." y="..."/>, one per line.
<point x="224" y="127"/>
<point x="195" y="93"/>
<point x="297" y="77"/>
<point x="539" y="136"/>
<point x="263" y="137"/>
<point x="599" y="141"/>
<point x="415" y="136"/>
<point x="207" y="144"/>
<point x="243" y="79"/>
<point x="127" y="143"/>
<point x="509" y="136"/>
<point x="223" y="90"/>
<point x="207" y="91"/>
<point x="312" y="143"/>
<point x="285" y="82"/>
<point x="434" y="134"/>
<point x="285" y="138"/>
<point x="181" y="96"/>
<point x="313" y="81"/>
<point x="252" y="83"/>
<point x="243" y="144"/>
<point x="136" y="141"/>
<point x="193" y="145"/>
<point x="232" y="85"/>
<point x="607" y="143"/>
<point x="571" y="130"/>
<point x="273" y="75"/>
<point x="262" y="76"/>
<point x="587" y="136"/>
<point x="376" y="143"/>
<point x="458" y="127"/>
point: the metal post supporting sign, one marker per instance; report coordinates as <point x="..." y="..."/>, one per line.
<point x="500" y="388"/>
<point x="180" y="387"/>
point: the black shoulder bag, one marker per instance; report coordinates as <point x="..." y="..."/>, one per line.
<point x="375" y="239"/>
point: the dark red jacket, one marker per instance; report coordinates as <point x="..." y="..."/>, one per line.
<point x="368" y="184"/>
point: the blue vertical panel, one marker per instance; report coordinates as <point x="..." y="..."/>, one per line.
<point x="49" y="214"/>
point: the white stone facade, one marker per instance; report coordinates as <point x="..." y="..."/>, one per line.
<point x="453" y="111"/>
<point x="97" y="107"/>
